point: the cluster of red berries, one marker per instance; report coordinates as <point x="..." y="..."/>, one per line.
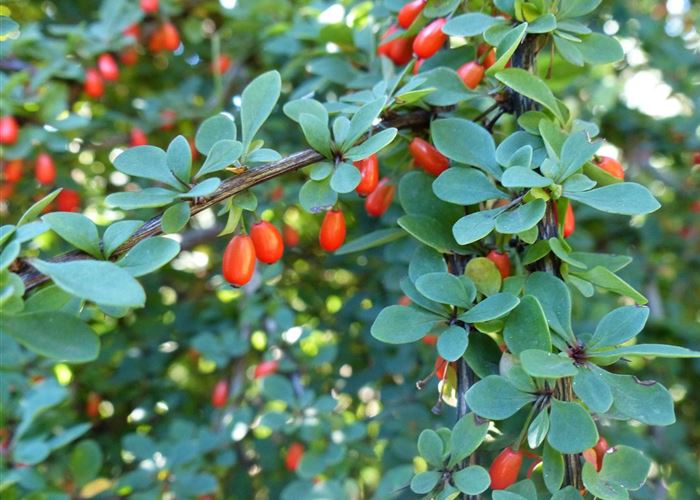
<point x="264" y="243"/>
<point x="402" y="49"/>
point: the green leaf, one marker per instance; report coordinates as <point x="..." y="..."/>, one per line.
<point x="417" y="298"/>
<point x="480" y="398"/>
<point x="315" y="196"/>
<point x="523" y="177"/>
<point x="530" y="86"/>
<point x="490" y="308"/>
<point x="118" y="233"/>
<point x="623" y="469"/>
<point x="646" y="401"/>
<point x="212" y="130"/>
<point x="444" y="288"/>
<point x="571" y="428"/>
<point x="98" y="281"/>
<point x="590" y="386"/>
<point x="430" y="447"/>
<point x="543" y="364"/>
<point x="515" y="142"/>
<point x="257" y="102"/>
<point x="543" y="24"/>
<point x="466" y="142"/>
<point x="9" y="254"/>
<point x="341" y="126"/>
<point x="77" y="230"/>
<point x="619" y="326"/>
<point x="485" y="275"/>
<point x="626" y="198"/>
<point x="608" y="280"/>
<point x="429" y="231"/>
<point x="597" y="48"/>
<point x="321" y="170"/>
<point x="576" y="8"/>
<point x="526" y="327"/>
<point x="552" y="468"/>
<point x="372" y="145"/>
<point x="424" y="482"/>
<point x="426" y="260"/>
<point x="569" y="50"/>
<point x="447" y="88"/>
<point x="417" y="198"/>
<point x="85" y="461"/>
<point x="538" y="429"/>
<point x="472" y="480"/>
<point x="467" y="436"/>
<point x="371" y="240"/>
<point x="609" y="261"/>
<point x="568" y="493"/>
<point x="561" y="249"/>
<point x="401" y="324"/>
<point x="149" y="255"/>
<point x="221" y="155"/>
<point x="316" y="133"/>
<point x="649" y="350"/>
<point x="203" y="188"/>
<point x="345" y="178"/>
<point x="452" y="343"/>
<point x="146" y="198"/>
<point x="555" y="299"/>
<point x="536" y="251"/>
<point x="474" y="227"/>
<point x="179" y="158"/>
<point x="521" y="218"/>
<point x="576" y="151"/>
<point x="294" y="109"/>
<point x="506" y="47"/>
<point x="37" y="208"/>
<point x="362" y="121"/>
<point x="56" y="335"/>
<point x="471" y="24"/>
<point x="148" y="162"/>
<point x="465" y="186"/>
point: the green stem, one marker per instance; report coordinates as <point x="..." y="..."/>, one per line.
<point x="526" y="425"/>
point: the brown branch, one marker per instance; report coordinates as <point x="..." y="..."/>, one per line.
<point x="32" y="278"/>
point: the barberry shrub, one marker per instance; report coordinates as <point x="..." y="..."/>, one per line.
<point x="426" y="160"/>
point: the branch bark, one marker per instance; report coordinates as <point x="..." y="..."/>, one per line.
<point x="32" y="278"/>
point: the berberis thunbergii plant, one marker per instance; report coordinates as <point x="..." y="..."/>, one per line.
<point x="443" y="104"/>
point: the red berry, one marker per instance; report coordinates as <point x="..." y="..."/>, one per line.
<point x="471" y="74"/>
<point x="267" y="241"/>
<point x="601" y="448"/>
<point x="219" y="396"/>
<point x="430" y="340"/>
<point x="6" y="191"/>
<point x="589" y="455"/>
<point x="137" y="137"/>
<point x="167" y="119"/>
<point x="277" y="193"/>
<point x="130" y="56"/>
<point x="108" y="67"/>
<point x="149" y="6"/>
<point x="239" y="260"/>
<point x="193" y="149"/>
<point x="502" y="261"/>
<point x="427" y="157"/>
<point x="430" y="39"/>
<point x="417" y="65"/>
<point x="12" y="170"/>
<point x="44" y="169"/>
<point x="222" y="64"/>
<point x="94" y="85"/>
<point x="68" y="200"/>
<point x="611" y="166"/>
<point x="569" y="221"/>
<point x="380" y="199"/>
<point x="441" y="366"/>
<point x="290" y="236"/>
<point x="505" y="468"/>
<point x="9" y="130"/>
<point x="531" y="469"/>
<point x="294" y="455"/>
<point x="404" y="300"/>
<point x="92" y="405"/>
<point x="170" y="36"/>
<point x="399" y="50"/>
<point x="369" y="171"/>
<point x="696" y="158"/>
<point x="409" y="12"/>
<point x="490" y="57"/>
<point x="332" y="233"/>
<point x="266" y="368"/>
<point x="134" y="31"/>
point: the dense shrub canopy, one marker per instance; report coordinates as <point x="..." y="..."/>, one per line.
<point x="481" y="204"/>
